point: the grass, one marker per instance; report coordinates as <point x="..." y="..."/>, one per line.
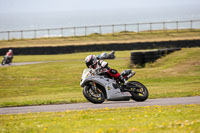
<point x="121" y="37"/>
<point x="149" y="119"/>
<point x="176" y="75"/>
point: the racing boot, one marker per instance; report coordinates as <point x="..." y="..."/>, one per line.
<point x="122" y="81"/>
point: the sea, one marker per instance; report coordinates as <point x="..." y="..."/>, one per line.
<point x="64" y="19"/>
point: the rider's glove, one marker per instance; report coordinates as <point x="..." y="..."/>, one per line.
<point x="98" y="71"/>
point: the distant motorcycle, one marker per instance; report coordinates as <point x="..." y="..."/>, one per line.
<point x="98" y="87"/>
<point x="104" y="55"/>
<point x="6" y="60"/>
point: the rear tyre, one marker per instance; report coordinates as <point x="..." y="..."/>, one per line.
<point x="140" y="92"/>
<point x="91" y="96"/>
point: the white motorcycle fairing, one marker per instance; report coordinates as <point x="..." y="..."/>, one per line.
<point x="113" y="92"/>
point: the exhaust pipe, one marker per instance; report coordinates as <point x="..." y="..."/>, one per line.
<point x="131" y="75"/>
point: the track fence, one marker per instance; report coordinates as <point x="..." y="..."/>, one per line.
<point x="100" y="29"/>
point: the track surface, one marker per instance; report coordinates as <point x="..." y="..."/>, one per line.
<point x="27" y="63"/>
<point x="37" y="62"/>
<point x="109" y="104"/>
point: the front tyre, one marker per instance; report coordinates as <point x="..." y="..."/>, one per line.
<point x="139" y="93"/>
<point x="93" y="97"/>
<point x="3" y="62"/>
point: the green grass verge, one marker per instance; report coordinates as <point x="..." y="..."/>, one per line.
<point x="149" y="119"/>
<point x="176" y="75"/>
<point x="122" y="37"/>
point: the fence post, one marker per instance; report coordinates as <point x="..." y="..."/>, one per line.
<point x="74" y="31"/>
<point x="22" y="35"/>
<point x="35" y="34"/>
<point x="138" y="27"/>
<point x="113" y="30"/>
<point x="150" y="27"/>
<point x="163" y="26"/>
<point x="85" y="30"/>
<point x="62" y="32"/>
<point x="191" y="25"/>
<point x="176" y="26"/>
<point x="125" y="28"/>
<point x="8" y="35"/>
<point x="48" y="33"/>
<point x="100" y="29"/>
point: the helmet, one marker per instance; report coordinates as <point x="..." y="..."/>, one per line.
<point x="91" y="61"/>
<point x="10" y="50"/>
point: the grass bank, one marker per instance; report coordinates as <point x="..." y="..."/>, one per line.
<point x="122" y="37"/>
<point x="149" y="119"/>
<point x="175" y="75"/>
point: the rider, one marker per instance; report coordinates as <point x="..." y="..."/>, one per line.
<point x="92" y="62"/>
<point x="9" y="54"/>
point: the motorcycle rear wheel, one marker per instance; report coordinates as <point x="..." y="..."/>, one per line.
<point x="140" y="92"/>
<point x="90" y="95"/>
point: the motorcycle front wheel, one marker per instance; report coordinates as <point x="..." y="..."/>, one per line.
<point x="93" y="97"/>
<point x="3" y="62"/>
<point x="138" y="91"/>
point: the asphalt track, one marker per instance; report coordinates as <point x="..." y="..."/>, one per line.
<point x="27" y="63"/>
<point x="37" y="62"/>
<point x="107" y="104"/>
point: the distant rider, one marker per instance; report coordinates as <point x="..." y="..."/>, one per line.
<point x="92" y="62"/>
<point x="9" y="55"/>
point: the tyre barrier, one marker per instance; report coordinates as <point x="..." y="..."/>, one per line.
<point x="101" y="47"/>
<point x="140" y="58"/>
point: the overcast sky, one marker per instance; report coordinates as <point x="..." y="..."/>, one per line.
<point x="12" y="6"/>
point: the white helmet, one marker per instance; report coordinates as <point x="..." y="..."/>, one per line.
<point x="91" y="61"/>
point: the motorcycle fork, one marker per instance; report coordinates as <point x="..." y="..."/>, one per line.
<point x="96" y="90"/>
<point x="93" y="86"/>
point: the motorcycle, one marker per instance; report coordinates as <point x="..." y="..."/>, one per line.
<point x="104" y="55"/>
<point x="6" y="60"/>
<point x="99" y="87"/>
